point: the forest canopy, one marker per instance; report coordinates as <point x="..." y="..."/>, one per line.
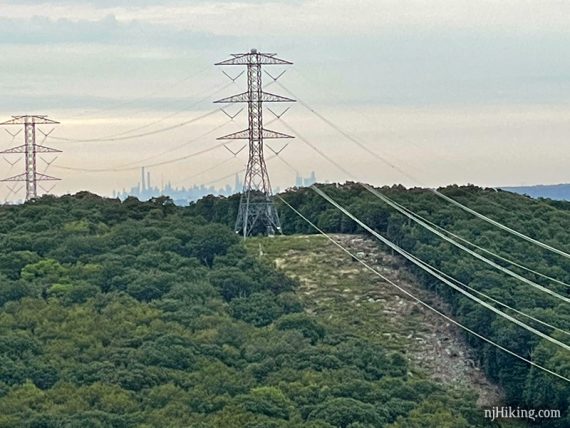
<point x="144" y="314"/>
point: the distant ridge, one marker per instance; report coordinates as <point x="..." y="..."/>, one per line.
<point x="559" y="192"/>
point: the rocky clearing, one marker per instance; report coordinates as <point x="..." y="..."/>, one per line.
<point x="342" y="291"/>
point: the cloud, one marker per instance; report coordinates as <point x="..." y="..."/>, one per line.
<point x="392" y="68"/>
<point x="135" y="3"/>
<point x="372" y="17"/>
<point x="105" y="30"/>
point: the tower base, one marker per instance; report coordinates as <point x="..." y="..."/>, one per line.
<point x="257" y="218"/>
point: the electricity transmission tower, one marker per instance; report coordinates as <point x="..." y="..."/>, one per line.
<point x="31" y="176"/>
<point x="256" y="210"/>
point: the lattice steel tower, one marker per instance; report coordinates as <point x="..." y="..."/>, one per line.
<point x="31" y="176"/>
<point x="256" y="210"/>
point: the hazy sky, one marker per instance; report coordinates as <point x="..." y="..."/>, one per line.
<point x="451" y="91"/>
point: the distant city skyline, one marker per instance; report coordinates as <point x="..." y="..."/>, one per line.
<point x="449" y="92"/>
<point x="145" y="190"/>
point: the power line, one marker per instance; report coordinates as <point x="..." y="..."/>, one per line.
<point x="501" y="226"/>
<point x="418" y="300"/>
<point x="429" y="270"/>
<point x="468" y="287"/>
<point x="287" y="163"/>
<point x="374" y="120"/>
<point x="187" y="143"/>
<point x="438" y="153"/>
<point x="150" y="94"/>
<point x="487" y="296"/>
<point x="491" y="253"/>
<point x="112" y="137"/>
<point x="11" y="190"/>
<point x="193" y="140"/>
<point x="214" y="167"/>
<point x="483" y="294"/>
<point x="412" y="217"/>
<point x="156" y="131"/>
<point x="478" y="256"/>
<point x="434" y="191"/>
<point x="155" y="122"/>
<point x="167" y="162"/>
<point x="225" y="177"/>
<point x="240" y="171"/>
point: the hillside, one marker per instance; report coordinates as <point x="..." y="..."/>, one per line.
<point x="131" y="314"/>
<point x="544" y="220"/>
<point x="346" y="296"/>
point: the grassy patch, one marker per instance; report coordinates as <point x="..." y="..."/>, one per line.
<point x="347" y="297"/>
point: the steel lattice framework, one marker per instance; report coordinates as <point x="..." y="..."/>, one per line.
<point x="256" y="209"/>
<point x="31" y="176"/>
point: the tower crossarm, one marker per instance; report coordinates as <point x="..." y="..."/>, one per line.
<point x="34" y="119"/>
<point x="264" y="97"/>
<point x="244" y="135"/>
<point x="19" y="177"/>
<point x="44" y="149"/>
<point x="19" y="149"/>
<point x="253" y="58"/>
<point x="24" y="177"/>
<point x="38" y="149"/>
<point x="43" y="177"/>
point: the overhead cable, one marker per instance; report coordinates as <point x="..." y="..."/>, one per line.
<point x="418" y="182"/>
<point x="421" y="302"/>
<point x="425" y="225"/>
<point x="429" y="270"/>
